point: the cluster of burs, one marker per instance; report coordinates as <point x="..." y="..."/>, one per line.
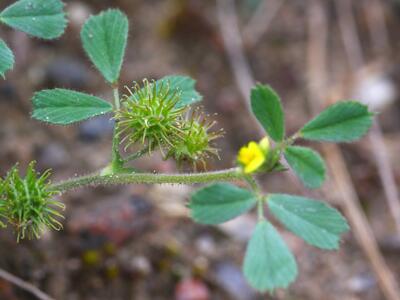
<point x="154" y="116"/>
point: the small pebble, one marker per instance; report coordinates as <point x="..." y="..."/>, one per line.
<point x="53" y="156"/>
<point x="191" y="289"/>
<point x="361" y="283"/>
<point x="231" y="278"/>
<point x="67" y="72"/>
<point x="94" y="129"/>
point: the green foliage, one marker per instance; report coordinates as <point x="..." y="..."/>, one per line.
<point x="307" y="164"/>
<point x="149" y="115"/>
<point x="267" y="108"/>
<point x="104" y="39"/>
<point x="220" y="202"/>
<point x="268" y="263"/>
<point x="6" y="58"/>
<point x="27" y="203"/>
<point x="63" y="107"/>
<point x="157" y="116"/>
<point x="178" y="86"/>
<point x="40" y="18"/>
<point x="314" y="221"/>
<point x="342" y="122"/>
<point x="184" y="86"/>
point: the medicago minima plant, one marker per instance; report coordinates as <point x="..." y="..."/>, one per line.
<point x="157" y="116"/>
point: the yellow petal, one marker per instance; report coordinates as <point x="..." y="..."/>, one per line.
<point x="251" y="157"/>
<point x="264" y="144"/>
<point x="254" y="164"/>
<point x="244" y="155"/>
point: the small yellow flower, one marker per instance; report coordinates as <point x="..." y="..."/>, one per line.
<point x="252" y="156"/>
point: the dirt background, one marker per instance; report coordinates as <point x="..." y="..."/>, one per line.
<point x="137" y="242"/>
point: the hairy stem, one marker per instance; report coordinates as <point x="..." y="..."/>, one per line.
<point x="116" y="98"/>
<point x="136" y="155"/>
<point x="117" y="161"/>
<point x="260" y="210"/>
<point x="253" y="184"/>
<point x="136" y="178"/>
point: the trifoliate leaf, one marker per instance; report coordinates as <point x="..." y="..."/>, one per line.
<point x="63" y="107"/>
<point x="268" y="263"/>
<point x="342" y="122"/>
<point x="267" y="108"/>
<point x="314" y="221"/>
<point x="220" y="202"/>
<point x="41" y="18"/>
<point x="6" y="58"/>
<point x="104" y="39"/>
<point x="307" y="164"/>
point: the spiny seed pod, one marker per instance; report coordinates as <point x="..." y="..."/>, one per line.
<point x="149" y="115"/>
<point x="195" y="143"/>
<point x="28" y="203"/>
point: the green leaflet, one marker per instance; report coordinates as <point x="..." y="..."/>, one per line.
<point x="41" y="18"/>
<point x="314" y="221"/>
<point x="184" y="85"/>
<point x="267" y="108"/>
<point x="63" y="107"/>
<point x="342" y="122"/>
<point x="104" y="39"/>
<point x="220" y="202"/>
<point x="307" y="164"/>
<point x="6" y="58"/>
<point x="268" y="263"/>
<point x="180" y="88"/>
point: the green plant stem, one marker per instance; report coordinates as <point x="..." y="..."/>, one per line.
<point x="260" y="209"/>
<point x="290" y="140"/>
<point x="116" y="98"/>
<point x="136" y="178"/>
<point x="252" y="183"/>
<point x="136" y="155"/>
<point x="117" y="162"/>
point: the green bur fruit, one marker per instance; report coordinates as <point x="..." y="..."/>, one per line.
<point x="194" y="144"/>
<point x="28" y="203"/>
<point x="149" y="116"/>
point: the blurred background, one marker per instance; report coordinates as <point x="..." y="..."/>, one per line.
<point x="137" y="242"/>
